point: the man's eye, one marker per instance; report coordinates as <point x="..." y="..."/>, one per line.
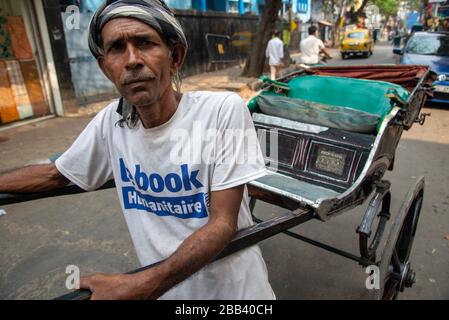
<point x="116" y="47"/>
<point x="144" y="43"/>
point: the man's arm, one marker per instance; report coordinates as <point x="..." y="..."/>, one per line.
<point x="193" y="254"/>
<point x="326" y="52"/>
<point x="281" y="50"/>
<point x="37" y="178"/>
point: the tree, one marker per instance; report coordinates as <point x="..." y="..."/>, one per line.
<point x="388" y="7"/>
<point x="415" y="5"/>
<point x="256" y="59"/>
<point x="362" y="6"/>
<point x="338" y="23"/>
<point x="355" y="14"/>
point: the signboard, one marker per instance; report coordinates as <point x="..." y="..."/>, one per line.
<point x="443" y="12"/>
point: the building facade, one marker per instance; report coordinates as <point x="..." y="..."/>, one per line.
<point x="229" y="6"/>
<point x="299" y="7"/>
<point x="46" y="67"/>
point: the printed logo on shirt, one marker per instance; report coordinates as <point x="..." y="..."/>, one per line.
<point x="184" y="207"/>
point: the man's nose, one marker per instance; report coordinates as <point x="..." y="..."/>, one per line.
<point x="133" y="57"/>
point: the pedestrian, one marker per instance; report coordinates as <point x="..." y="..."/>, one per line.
<point x="275" y="54"/>
<point x="180" y="209"/>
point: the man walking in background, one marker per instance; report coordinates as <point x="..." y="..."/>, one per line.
<point x="275" y="54"/>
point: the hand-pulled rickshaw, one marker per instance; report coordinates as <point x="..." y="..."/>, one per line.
<point x="336" y="131"/>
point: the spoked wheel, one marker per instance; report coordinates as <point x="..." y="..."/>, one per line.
<point x="395" y="269"/>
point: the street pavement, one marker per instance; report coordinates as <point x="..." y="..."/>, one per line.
<point x="39" y="239"/>
<point x="383" y="54"/>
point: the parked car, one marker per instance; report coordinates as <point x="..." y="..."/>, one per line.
<point x="357" y="42"/>
<point x="432" y="49"/>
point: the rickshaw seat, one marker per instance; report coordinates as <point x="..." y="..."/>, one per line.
<point x="343" y="103"/>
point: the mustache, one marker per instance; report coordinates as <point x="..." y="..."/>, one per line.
<point x="132" y="78"/>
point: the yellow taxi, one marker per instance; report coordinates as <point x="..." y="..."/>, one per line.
<point x="357" y="42"/>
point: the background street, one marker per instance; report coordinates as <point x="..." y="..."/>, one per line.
<point x="39" y="239"/>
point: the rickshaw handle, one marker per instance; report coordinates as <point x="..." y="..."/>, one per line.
<point x="243" y="239"/>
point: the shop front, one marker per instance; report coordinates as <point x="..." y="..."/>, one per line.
<point x="24" y="90"/>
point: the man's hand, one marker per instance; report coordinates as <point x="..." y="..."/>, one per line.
<point x="119" y="286"/>
<point x="327" y="53"/>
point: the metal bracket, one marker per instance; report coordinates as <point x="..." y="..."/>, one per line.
<point x="399" y="119"/>
<point x="421" y="119"/>
<point x="379" y="206"/>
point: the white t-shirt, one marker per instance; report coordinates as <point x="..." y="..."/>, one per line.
<point x="310" y="50"/>
<point x="164" y="176"/>
<point x="275" y="51"/>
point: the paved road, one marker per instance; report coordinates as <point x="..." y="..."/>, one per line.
<point x="39" y="239"/>
<point x="383" y="54"/>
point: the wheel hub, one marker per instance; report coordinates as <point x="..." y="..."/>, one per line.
<point x="408" y="277"/>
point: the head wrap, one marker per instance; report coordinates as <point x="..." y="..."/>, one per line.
<point x="154" y="13"/>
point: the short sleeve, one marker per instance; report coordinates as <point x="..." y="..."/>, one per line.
<point x="86" y="163"/>
<point x="320" y="44"/>
<point x="238" y="156"/>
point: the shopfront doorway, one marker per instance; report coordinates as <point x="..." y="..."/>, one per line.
<point x="22" y="88"/>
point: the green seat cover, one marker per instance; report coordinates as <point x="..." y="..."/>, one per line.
<point x="318" y="114"/>
<point x="364" y="95"/>
<point x="343" y="103"/>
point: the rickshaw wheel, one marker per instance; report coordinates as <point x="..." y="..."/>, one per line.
<point x="395" y="269"/>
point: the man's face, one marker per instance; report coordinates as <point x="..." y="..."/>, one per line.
<point x="136" y="60"/>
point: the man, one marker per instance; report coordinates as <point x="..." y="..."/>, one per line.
<point x="275" y="54"/>
<point x="183" y="209"/>
<point x="312" y="47"/>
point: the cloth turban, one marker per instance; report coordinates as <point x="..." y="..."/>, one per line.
<point x="154" y="13"/>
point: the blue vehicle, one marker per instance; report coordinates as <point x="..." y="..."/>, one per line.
<point x="432" y="49"/>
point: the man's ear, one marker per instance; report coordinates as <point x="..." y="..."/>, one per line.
<point x="178" y="55"/>
<point x="101" y="64"/>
